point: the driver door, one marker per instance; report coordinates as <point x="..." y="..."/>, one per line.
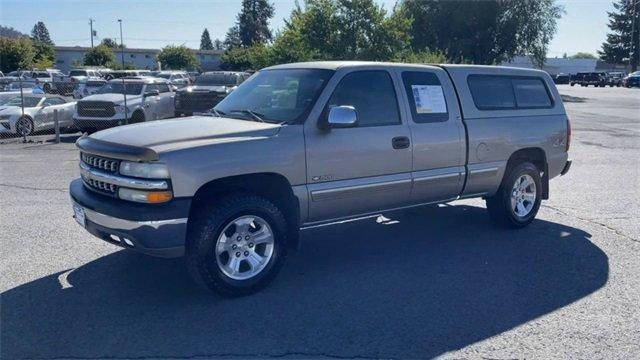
<point x="365" y="168"/>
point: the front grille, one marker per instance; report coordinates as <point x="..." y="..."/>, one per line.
<point x="199" y="101"/>
<point x="99" y="162"/>
<point x="100" y="186"/>
<point x="96" y="109"/>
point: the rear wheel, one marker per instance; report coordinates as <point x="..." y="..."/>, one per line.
<point x="518" y="199"/>
<point x="236" y="245"/>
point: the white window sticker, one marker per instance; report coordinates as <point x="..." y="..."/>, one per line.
<point x="429" y="99"/>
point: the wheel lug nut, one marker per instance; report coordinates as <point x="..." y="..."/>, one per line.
<point x="246" y="253"/>
<point x="234" y="246"/>
<point x="247" y="237"/>
<point x="250" y="245"/>
<point x="239" y="238"/>
<point x="238" y="254"/>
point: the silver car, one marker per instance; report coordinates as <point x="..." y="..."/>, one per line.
<point x="38" y="113"/>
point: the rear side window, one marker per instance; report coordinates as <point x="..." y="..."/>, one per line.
<point x="372" y="94"/>
<point x="491" y="92"/>
<point x="426" y="97"/>
<point x="531" y="93"/>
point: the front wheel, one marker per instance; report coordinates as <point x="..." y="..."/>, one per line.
<point x="236" y="245"/>
<point x="518" y="199"/>
<point x="24" y="126"/>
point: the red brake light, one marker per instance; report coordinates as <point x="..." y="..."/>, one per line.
<point x="568" y="133"/>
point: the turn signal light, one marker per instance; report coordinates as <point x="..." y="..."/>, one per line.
<point x="158" y="197"/>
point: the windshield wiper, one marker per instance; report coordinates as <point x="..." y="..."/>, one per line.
<point x="217" y="113"/>
<point x="253" y="114"/>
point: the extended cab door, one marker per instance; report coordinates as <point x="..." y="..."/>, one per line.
<point x="361" y="169"/>
<point x="437" y="131"/>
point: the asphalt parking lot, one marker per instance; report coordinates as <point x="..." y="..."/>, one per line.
<point x="439" y="281"/>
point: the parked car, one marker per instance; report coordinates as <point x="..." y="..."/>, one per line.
<point x="589" y="78"/>
<point x="117" y="74"/>
<point x="632" y="80"/>
<point x="65" y="84"/>
<point x="308" y="144"/>
<point x="207" y="91"/>
<point x="146" y="99"/>
<point x="45" y="79"/>
<point x="89" y="86"/>
<point x="38" y="113"/>
<point x="614" y="78"/>
<point x="178" y="78"/>
<point x="561" y="78"/>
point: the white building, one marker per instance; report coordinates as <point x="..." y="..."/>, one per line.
<point x="556" y="65"/>
<point x="68" y="57"/>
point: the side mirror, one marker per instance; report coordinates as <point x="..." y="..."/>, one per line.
<point x="152" y="93"/>
<point x="344" y="116"/>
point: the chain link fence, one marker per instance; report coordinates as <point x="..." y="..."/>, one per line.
<point x="45" y="105"/>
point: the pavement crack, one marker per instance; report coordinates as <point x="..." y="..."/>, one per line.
<point x="593" y="222"/>
<point x="33" y="188"/>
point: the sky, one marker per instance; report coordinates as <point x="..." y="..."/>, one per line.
<point x="156" y="23"/>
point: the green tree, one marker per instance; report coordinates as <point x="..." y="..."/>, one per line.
<point x="217" y="44"/>
<point x="45" y="55"/>
<point x="232" y="39"/>
<point x="583" y="55"/>
<point x="484" y="32"/>
<point x="111" y="43"/>
<point x="236" y="59"/>
<point x="253" y="22"/>
<point x="205" y="41"/>
<point x="617" y="48"/>
<point x="101" y="55"/>
<point x="40" y="33"/>
<point x="177" y="57"/>
<point x="9" y="32"/>
<point x="16" y="54"/>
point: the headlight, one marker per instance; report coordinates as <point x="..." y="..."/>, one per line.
<point x="121" y="108"/>
<point x="144" y="170"/>
<point x="151" y="197"/>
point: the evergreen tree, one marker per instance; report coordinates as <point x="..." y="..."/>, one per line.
<point x="205" y="41"/>
<point x="623" y="36"/>
<point x="232" y="40"/>
<point x="40" y="33"/>
<point x="253" y="22"/>
<point x="217" y="44"/>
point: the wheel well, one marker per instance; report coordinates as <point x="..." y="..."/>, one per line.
<point x="537" y="157"/>
<point x="272" y="186"/>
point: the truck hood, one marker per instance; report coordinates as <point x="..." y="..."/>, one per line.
<point x="167" y="135"/>
<point x="115" y="98"/>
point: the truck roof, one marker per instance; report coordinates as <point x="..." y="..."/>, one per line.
<point x="335" y="65"/>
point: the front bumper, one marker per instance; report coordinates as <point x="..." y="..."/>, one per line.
<point x="94" y="124"/>
<point x="153" y="229"/>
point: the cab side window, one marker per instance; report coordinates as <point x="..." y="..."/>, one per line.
<point x="163" y="88"/>
<point x="372" y="94"/>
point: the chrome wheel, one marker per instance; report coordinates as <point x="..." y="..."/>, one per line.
<point x="244" y="247"/>
<point x="24" y="126"/>
<point x="523" y="195"/>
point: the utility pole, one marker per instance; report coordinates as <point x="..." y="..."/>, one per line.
<point x="91" y="28"/>
<point x="121" y="43"/>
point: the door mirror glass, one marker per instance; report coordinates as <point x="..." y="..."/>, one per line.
<point x="343" y="116"/>
<point x="152" y="93"/>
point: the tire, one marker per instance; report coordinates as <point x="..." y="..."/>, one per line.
<point x="213" y="241"/>
<point x="24" y="123"/>
<point x="501" y="206"/>
<point x="137" y="117"/>
<point x="177" y="114"/>
<point x="572" y="84"/>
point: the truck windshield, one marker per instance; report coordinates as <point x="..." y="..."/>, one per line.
<point x="282" y="96"/>
<point x="118" y="88"/>
<point x="216" y="79"/>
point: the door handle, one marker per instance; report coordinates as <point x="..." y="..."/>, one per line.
<point x="400" y="142"/>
